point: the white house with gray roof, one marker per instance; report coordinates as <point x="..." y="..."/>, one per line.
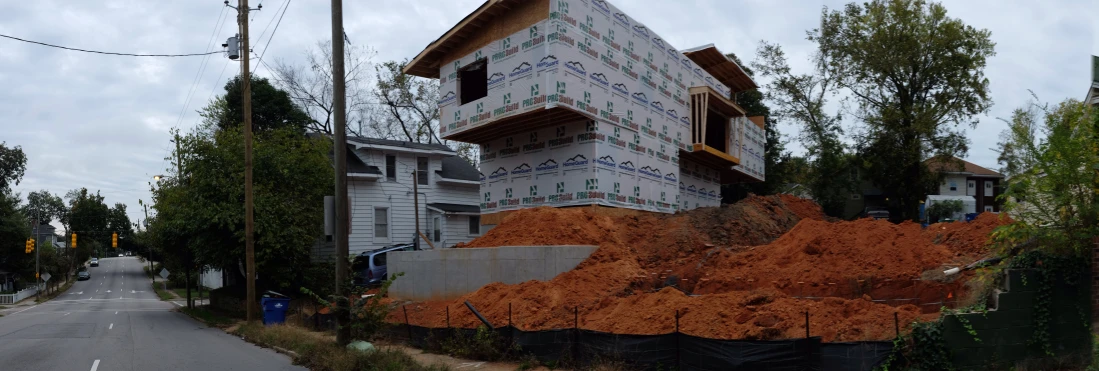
<point x="380" y="194"/>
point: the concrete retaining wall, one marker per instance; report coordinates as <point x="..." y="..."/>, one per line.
<point x="450" y="273"/>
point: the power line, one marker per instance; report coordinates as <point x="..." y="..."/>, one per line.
<point x="202" y="68"/>
<point x="269" y="38"/>
<point x="107" y="53"/>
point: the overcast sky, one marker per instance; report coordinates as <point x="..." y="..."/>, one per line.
<point x="102" y="122"/>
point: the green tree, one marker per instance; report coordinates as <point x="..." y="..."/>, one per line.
<point x="88" y="218"/>
<point x="914" y="76"/>
<point x="119" y="222"/>
<point x="44" y="206"/>
<point x="410" y="109"/>
<point x="271" y="108"/>
<point x="1052" y="193"/>
<point x="802" y="99"/>
<point x="12" y="165"/>
<point x="775" y="154"/>
<point x="14" y="232"/>
<point x="200" y="214"/>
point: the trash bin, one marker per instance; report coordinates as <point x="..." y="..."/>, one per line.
<point x="970" y="217"/>
<point x="274" y="309"/>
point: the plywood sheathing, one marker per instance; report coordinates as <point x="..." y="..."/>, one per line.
<point x="758" y="120"/>
<point x="498" y="217"/>
<point x="521" y="123"/>
<point x="723" y="69"/>
<point x="493" y="20"/>
<point x="522" y="15"/>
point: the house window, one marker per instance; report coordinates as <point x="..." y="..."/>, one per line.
<point x="437" y="228"/>
<point x="473" y="81"/>
<point x="381" y="222"/>
<point x="988" y="186"/>
<point x="391" y="168"/>
<point x="474" y="225"/>
<point x="421" y="170"/>
<point x="988" y="208"/>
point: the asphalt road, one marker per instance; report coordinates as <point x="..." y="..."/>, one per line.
<point x="114" y="321"/>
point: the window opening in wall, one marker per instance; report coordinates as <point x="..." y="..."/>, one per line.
<point x="437" y="229"/>
<point x="381" y="223"/>
<point x="717" y="135"/>
<point x="391" y="168"/>
<point x="421" y="170"/>
<point x="473" y="81"/>
<point x="474" y="225"/>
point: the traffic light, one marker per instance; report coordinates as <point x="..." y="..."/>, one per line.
<point x="27" y="246"/>
<point x="74" y="240"/>
<point x="114" y="240"/>
<point x="30" y="245"/>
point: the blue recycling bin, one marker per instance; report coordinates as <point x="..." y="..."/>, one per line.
<point x="274" y="310"/>
<point x="970" y="217"/>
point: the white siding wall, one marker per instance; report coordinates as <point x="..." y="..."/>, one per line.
<point x="397" y="197"/>
<point x="956" y="181"/>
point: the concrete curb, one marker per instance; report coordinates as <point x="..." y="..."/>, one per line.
<point x="285" y="351"/>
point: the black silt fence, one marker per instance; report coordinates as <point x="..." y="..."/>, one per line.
<point x="671" y="351"/>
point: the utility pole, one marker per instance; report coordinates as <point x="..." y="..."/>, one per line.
<point x="187" y="264"/>
<point x="37" y="229"/>
<point x="249" y="222"/>
<point x="339" y="146"/>
<point x="152" y="275"/>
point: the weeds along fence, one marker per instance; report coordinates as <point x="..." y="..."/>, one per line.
<point x="675" y="350"/>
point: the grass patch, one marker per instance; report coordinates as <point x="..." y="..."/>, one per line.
<point x="61" y="289"/>
<point x="317" y="351"/>
<point x="162" y="293"/>
<point x="208" y="317"/>
<point x="182" y="292"/>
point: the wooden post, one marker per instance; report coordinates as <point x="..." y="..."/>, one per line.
<point x="807" y="324"/>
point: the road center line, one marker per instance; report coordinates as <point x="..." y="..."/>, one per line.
<point x="110" y="327"/>
<point x="67" y="314"/>
<point x="31" y="307"/>
<point x="95" y="365"/>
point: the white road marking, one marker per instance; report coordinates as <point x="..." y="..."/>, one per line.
<point x="96" y="290"/>
<point x="177" y="304"/>
<point x="116" y="312"/>
<point x="110" y="327"/>
<point x="471" y="364"/>
<point x="108" y="291"/>
<point x="67" y="314"/>
<point x="31" y="307"/>
<point x="95" y="365"/>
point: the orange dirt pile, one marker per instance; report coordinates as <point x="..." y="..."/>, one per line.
<point x="749" y="266"/>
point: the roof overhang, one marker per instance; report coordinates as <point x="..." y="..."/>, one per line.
<point x="721" y="67"/>
<point x="364" y="176"/>
<point x="440" y="210"/>
<point x="381" y="147"/>
<point x="719" y="103"/>
<point x="426" y="64"/>
<point x="457" y="181"/>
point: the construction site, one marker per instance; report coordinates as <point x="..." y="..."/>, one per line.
<point x="760" y="269"/>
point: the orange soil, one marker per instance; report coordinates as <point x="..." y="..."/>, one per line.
<point x="748" y="265"/>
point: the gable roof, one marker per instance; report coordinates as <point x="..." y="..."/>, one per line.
<point x="426" y="64"/>
<point x="949" y="165"/>
<point x="458" y="168"/>
<point x="355" y="165"/>
<point x="400" y="145"/>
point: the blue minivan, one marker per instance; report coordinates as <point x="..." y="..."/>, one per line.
<point x="369" y="266"/>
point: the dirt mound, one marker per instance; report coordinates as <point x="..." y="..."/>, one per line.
<point x="967" y="239"/>
<point x="754" y="268"/>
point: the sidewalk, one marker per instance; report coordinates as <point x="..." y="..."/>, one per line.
<point x="178" y="300"/>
